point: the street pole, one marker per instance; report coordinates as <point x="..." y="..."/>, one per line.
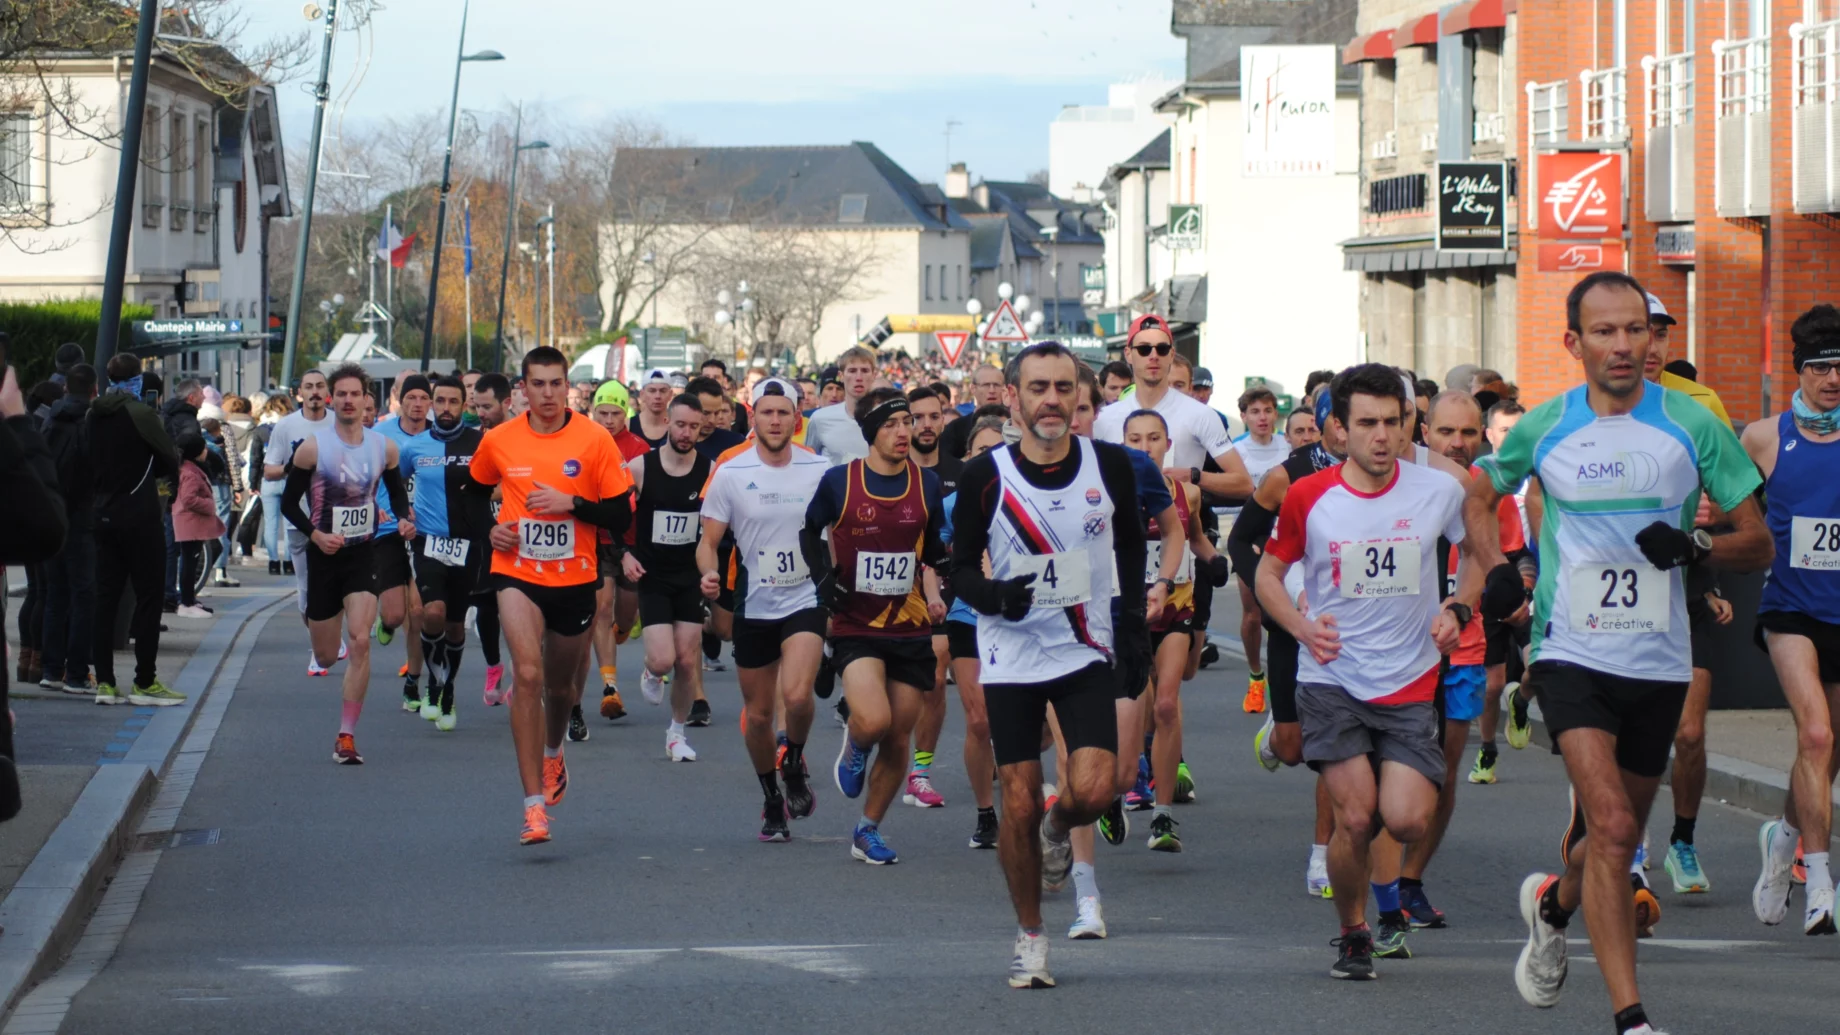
<point x="552" y="275"/>
<point x="467" y="276"/>
<point x="536" y="295"/>
<point x="389" y="279"/>
<point x="504" y="268"/>
<point x="440" y="214"/>
<point x="320" y="93"/>
<point x="108" y="334"/>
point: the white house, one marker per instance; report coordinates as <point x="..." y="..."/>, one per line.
<point x="1136" y="197"/>
<point x="1085" y="139"/>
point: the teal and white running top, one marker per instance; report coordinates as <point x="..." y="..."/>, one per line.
<point x="1599" y="603"/>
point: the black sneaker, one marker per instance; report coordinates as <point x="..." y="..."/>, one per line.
<point x="412" y="695"/>
<point x="1163" y="836"/>
<point x="1210" y="655"/>
<point x="578" y="726"/>
<point x="986" y="836"/>
<point x="287" y="567"/>
<point x="773" y="828"/>
<point x="1356" y="962"/>
<point x="274" y="567"/>
<point x="1390" y="942"/>
<point x="699" y="713"/>
<point x="826" y="682"/>
<point x="1115" y="826"/>
<point x="1419" y="910"/>
<point x="800" y="801"/>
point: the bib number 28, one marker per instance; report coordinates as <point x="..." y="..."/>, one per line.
<point x="1814" y="544"/>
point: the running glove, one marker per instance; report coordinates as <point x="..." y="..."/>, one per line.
<point x="831" y="593"/>
<point x="1010" y="598"/>
<point x="1668" y="546"/>
<point x="1216" y="569"/>
<point x="1503" y="592"/>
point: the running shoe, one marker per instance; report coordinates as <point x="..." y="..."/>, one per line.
<point x="773" y="828"/>
<point x="1419" y="910"/>
<point x="412" y="697"/>
<point x="1140" y="796"/>
<point x="578" y="726"/>
<point x="1799" y="872"/>
<point x="1115" y="824"/>
<point x="402" y="671"/>
<point x="1819" y="919"/>
<point x="314" y="668"/>
<point x="1185" y="785"/>
<point x="852" y="765"/>
<point x="1255" y="697"/>
<point x="611" y="706"/>
<point x="555" y="780"/>
<point x="677" y="747"/>
<point x="495" y="674"/>
<point x="448" y="720"/>
<point x="1056" y="858"/>
<point x="699" y="713"/>
<point x="713" y="664"/>
<point x="1484" y="770"/>
<point x="345" y="751"/>
<point x="384" y="636"/>
<point x="536" y="826"/>
<point x="1642" y="860"/>
<point x="920" y="792"/>
<point x="1163" y="837"/>
<point x="825" y="683"/>
<point x="1316" y="879"/>
<point x="1090" y="921"/>
<point x="1770" y="897"/>
<point x="287" y="568"/>
<point x="1514" y="710"/>
<point x="431" y="701"/>
<point x="1261" y="745"/>
<point x="985" y="836"/>
<point x="651" y="686"/>
<point x="154" y="695"/>
<point x="841" y="712"/>
<point x="1390" y="940"/>
<point x="800" y="801"/>
<point x="344" y="650"/>
<point x="193" y="611"/>
<point x="868" y="846"/>
<point x="1028" y="968"/>
<point x="1683" y="866"/>
<point x="50" y="683"/>
<point x="106" y="693"/>
<point x="1647" y="907"/>
<point x="1539" y="972"/>
<point x="1356" y="960"/>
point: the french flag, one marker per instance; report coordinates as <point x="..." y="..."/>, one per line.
<point x="393" y="246"/>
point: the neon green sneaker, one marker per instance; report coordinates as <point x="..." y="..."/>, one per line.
<point x="158" y="695"/>
<point x="384" y="636"/>
<point x="1185" y="785"/>
<point x="1514" y="710"/>
<point x="107" y="694"/>
<point x="1484" y="770"/>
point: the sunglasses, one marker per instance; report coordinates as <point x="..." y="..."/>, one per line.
<point x="1161" y="350"/>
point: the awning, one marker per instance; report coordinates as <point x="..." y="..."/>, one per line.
<point x="1374" y="46"/>
<point x="1476" y="14"/>
<point x="1400" y="253"/>
<point x="1418" y="32"/>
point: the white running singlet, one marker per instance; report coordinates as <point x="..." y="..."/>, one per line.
<point x="764" y="506"/>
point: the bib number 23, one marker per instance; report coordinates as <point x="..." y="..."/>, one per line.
<point x="1620" y="599"/>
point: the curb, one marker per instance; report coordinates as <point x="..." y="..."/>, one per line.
<point x="46" y="910"/>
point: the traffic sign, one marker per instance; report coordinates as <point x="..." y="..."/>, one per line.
<point x="952" y="344"/>
<point x="185" y="328"/>
<point x="1004" y="326"/>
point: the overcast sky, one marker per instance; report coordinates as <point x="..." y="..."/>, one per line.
<point x="752" y="72"/>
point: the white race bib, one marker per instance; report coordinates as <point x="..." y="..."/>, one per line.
<point x="1378" y="568"/>
<point x="354" y="522"/>
<point x="546" y="540"/>
<point x="885" y="574"/>
<point x="1153" y="564"/>
<point x="1620" y="598"/>
<point x="447" y="550"/>
<point x="781" y="569"/>
<point x="1061" y="579"/>
<point x="673" y="528"/>
<point x="1814" y="543"/>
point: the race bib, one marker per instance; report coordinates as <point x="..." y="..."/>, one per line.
<point x="354" y="522"/>
<point x="1814" y="543"/>
<point x="446" y="549"/>
<point x="1153" y="564"/>
<point x="781" y="569"/>
<point x="1622" y="598"/>
<point x="546" y="540"/>
<point x="885" y="574"/>
<point x="1061" y="579"/>
<point x="1377" y="568"/>
<point x="672" y="528"/>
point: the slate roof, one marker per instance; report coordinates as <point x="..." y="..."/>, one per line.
<point x="1320" y="21"/>
<point x="987" y="240"/>
<point x="1154" y="155"/>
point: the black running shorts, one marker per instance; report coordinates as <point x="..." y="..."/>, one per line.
<point x="961" y="640"/>
<point x="567" y="610"/>
<point x="663" y="604"/>
<point x="906" y="659"/>
<point x="1085" y="706"/>
<point x="333" y="577"/>
<point x="392" y="557"/>
<point x="759" y="642"/>
<point x="1642" y="714"/>
<point x="446" y="584"/>
<point x="1824" y="635"/>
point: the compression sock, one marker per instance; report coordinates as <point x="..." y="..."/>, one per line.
<point x="485" y="622"/>
<point x="923" y="761"/>
<point x="1816" y="865"/>
<point x="607" y="676"/>
<point x="1085" y="881"/>
<point x="1630" y="1019"/>
<point x="1550" y="911"/>
<point x="795" y="756"/>
<point x="769" y="784"/>
<point x="434" y="658"/>
<point x="1386" y="897"/>
<point x="455" y="651"/>
<point x="712" y="646"/>
<point x="348" y="716"/>
<point x="1683" y="829"/>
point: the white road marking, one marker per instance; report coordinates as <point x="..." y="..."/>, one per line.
<point x="812" y="959"/>
<point x="306" y="978"/>
<point x="1703" y="944"/>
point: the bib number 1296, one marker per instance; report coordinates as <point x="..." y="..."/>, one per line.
<point x="546" y="540"/>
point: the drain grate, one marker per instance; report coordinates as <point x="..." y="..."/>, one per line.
<point x="178" y="839"/>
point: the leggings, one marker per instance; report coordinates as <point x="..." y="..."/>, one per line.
<point x="191" y="553"/>
<point x="485" y="622"/>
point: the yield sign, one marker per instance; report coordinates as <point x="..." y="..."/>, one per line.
<point x="1004" y="326"/>
<point x="952" y="343"/>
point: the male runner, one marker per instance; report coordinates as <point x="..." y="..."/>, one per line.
<point x="1260" y="450"/>
<point x="1504" y="641"/>
<point x="1798" y="619"/>
<point x="1621" y="463"/>
<point x="1055" y="514"/>
<point x="616" y="603"/>
<point x="397" y="605"/>
<point x="662" y="563"/>
<point x="713" y="441"/>
<point x="714" y="437"/>
<point x="987" y="389"/>
<point x="1367" y="532"/>
<point x="490" y="398"/>
<point x="1113" y="380"/>
<point x="832" y="431"/>
<point x="655" y="395"/>
<point x="882" y="515"/>
<point x="761" y="496"/>
<point x="287" y="435"/>
<point x="561" y="477"/>
<point x="929" y="410"/>
<point x="337" y="471"/>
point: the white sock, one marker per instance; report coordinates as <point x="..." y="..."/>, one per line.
<point x="552" y="752"/>
<point x="534" y="799"/>
<point x="1085" y="882"/>
<point x="676" y="729"/>
<point x="1786" y="835"/>
<point x="1319" y="854"/>
<point x="1816" y="862"/>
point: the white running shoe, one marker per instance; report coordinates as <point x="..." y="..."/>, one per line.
<point x="1261" y="743"/>
<point x="1539" y="973"/>
<point x="677" y="747"/>
<point x="446" y="722"/>
<point x="1028" y="968"/>
<point x="431" y="706"/>
<point x="1770" y="896"/>
<point x="1091" y="921"/>
<point x="1819" y="919"/>
<point x="314" y="668"/>
<point x="1644" y="1029"/>
<point x="652" y="686"/>
<point x="1317" y="879"/>
<point x="343" y="650"/>
<point x="1056" y="859"/>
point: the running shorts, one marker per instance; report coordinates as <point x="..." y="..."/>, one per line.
<point x="1083" y="705"/>
<point x="907" y="659"/>
<point x="1337" y="726"/>
<point x="1179" y="627"/>
<point x="567" y="610"/>
<point x="1466" y="689"/>
<point x="1503" y="641"/>
<point x="758" y="641"/>
<point x="961" y="640"/>
<point x="662" y="605"/>
<point x="1642" y="714"/>
<point x="392" y="557"/>
<point x="607" y="562"/>
<point x="1824" y="635"/>
<point x="333" y="577"/>
<point x="448" y="584"/>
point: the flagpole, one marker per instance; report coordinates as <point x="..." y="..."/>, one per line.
<point x="389" y="279"/>
<point x="467" y="205"/>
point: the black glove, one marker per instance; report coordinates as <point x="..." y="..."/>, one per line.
<point x="1014" y="597"/>
<point x="1216" y="568"/>
<point x="1668" y="546"/>
<point x="1503" y="592"/>
<point x="831" y="594"/>
<point x="1131" y="646"/>
<point x="825" y="683"/>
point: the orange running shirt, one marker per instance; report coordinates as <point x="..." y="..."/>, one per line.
<point x="580" y="459"/>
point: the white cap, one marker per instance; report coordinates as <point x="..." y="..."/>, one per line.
<point x="1657" y="313"/>
<point x="775" y="386"/>
<point x="655" y="374"/>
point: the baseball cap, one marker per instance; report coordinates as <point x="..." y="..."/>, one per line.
<point x="1657" y="313"/>
<point x="774" y="386"/>
<point x="1204" y="378"/>
<point x="1148" y="320"/>
<point x="679" y="381"/>
<point x="613" y="393"/>
<point x="655" y="374"/>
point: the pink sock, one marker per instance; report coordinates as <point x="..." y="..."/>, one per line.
<point x="348" y="716"/>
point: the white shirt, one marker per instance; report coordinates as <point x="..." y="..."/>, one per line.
<point x="288" y="433"/>
<point x="764" y="507"/>
<point x="1260" y="459"/>
<point x="833" y="431"/>
<point x="1196" y="432"/>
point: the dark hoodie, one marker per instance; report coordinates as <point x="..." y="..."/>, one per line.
<point x="181" y="420"/>
<point x="66" y="437"/>
<point x="130" y="451"/>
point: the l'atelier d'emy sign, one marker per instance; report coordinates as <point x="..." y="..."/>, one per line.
<point x="1472" y="206"/>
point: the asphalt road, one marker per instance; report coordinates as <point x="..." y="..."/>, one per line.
<point x="394" y="897"/>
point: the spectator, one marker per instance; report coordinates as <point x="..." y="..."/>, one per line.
<point x="39" y="402"/>
<point x="239" y="430"/>
<point x="68" y="355"/>
<point x="273" y="410"/>
<point x="70" y="577"/>
<point x="1458" y="378"/>
<point x="195" y="523"/>
<point x="180" y="416"/>
<point x="1480" y="379"/>
<point x="1682" y="369"/>
<point x="217" y="467"/>
<point x="43" y="396"/>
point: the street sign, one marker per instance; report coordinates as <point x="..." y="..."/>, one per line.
<point x="952" y="344"/>
<point x="1004" y="326"/>
<point x="1184" y="228"/>
<point x="1088" y="348"/>
<point x="1092" y="278"/>
<point x="185" y="328"/>
<point x="920" y="323"/>
<point x="1472" y="198"/>
<point x="664" y="348"/>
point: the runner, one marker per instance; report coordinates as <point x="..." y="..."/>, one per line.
<point x="341" y="467"/>
<point x="1798" y="619"/>
<point x="1300" y="429"/>
<point x="832" y="431"/>
<point x="1504" y="641"/>
<point x="882" y="515"/>
<point x="1052" y="512"/>
<point x="1260" y="450"/>
<point x="616" y="602"/>
<point x="398" y="604"/>
<point x="929" y="410"/>
<point x="491" y="394"/>
<point x="288" y="433"/>
<point x="655" y="394"/>
<point x="1610" y="659"/>
<point x="714" y="440"/>
<point x="986" y="390"/>
<point x="1367" y="533"/>
<point x="560" y="477"/>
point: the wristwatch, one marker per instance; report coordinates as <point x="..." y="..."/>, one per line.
<point x="1460" y="611"/>
<point x="1194" y="475"/>
<point x="1171" y="583"/>
<point x="1702" y="545"/>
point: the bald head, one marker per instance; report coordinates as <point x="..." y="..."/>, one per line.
<point x="1453" y="426"/>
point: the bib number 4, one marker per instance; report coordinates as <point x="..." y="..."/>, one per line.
<point x="1061" y="579"/>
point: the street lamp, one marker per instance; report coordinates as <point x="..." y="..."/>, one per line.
<point x="741" y="305"/>
<point x="461" y="57"/>
<point x="504" y="268"/>
<point x="1052" y="233"/>
<point x="651" y="264"/>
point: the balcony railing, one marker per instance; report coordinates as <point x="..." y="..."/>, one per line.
<point x="1742" y="139"/>
<point x="1816" y="95"/>
<point x="1668" y="119"/>
<point x="1490" y="127"/>
<point x="1549" y="113"/>
<point x="1606" y="103"/>
<point x="1668" y="90"/>
<point x="1385" y="147"/>
<point x="1427" y="141"/>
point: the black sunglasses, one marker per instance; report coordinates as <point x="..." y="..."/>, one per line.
<point x="1145" y="350"/>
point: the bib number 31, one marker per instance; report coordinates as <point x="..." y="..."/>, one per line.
<point x="546" y="540"/>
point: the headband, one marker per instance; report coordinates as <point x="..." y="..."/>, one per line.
<point x="1825" y="349"/>
<point x="872" y="422"/>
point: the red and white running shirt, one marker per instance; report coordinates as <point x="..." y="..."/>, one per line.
<point x="1371" y="561"/>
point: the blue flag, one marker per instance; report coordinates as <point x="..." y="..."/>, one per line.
<point x="468" y="245"/>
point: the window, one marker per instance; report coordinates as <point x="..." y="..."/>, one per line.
<point x="929" y="283"/>
<point x="719" y="208"/>
<point x="153" y="198"/>
<point x="177" y="152"/>
<point x="15" y="161"/>
<point x="852" y="208"/>
<point x="201" y="175"/>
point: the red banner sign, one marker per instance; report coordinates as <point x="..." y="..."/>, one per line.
<point x="1581" y="196"/>
<point x="1579" y="256"/>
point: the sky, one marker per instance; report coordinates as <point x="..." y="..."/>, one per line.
<point x="747" y="72"/>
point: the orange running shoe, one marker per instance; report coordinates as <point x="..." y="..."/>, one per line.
<point x="1648" y="909"/>
<point x="611" y="705"/>
<point x="403" y="671"/>
<point x="345" y="751"/>
<point x="555" y="780"/>
<point x="536" y="826"/>
<point x="1255" y="696"/>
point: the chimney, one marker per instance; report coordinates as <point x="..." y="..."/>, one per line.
<point x="958" y="181"/>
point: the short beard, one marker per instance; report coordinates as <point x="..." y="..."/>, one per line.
<point x="446" y="422"/>
<point x="922" y="446"/>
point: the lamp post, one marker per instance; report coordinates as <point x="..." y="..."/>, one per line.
<point x="1052" y="233"/>
<point x="504" y="268"/>
<point x="461" y="57"/>
<point x="122" y="225"/>
<point x="322" y="91"/>
<point x="548" y="255"/>
<point x="742" y="305"/>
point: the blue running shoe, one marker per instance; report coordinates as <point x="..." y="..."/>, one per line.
<point x="868" y="846"/>
<point x="852" y="767"/>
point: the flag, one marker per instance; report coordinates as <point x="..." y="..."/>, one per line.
<point x="468" y="240"/>
<point x="393" y="246"/>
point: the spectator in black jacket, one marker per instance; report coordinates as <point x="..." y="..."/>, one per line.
<point x="180" y="416"/>
<point x="39" y="401"/>
<point x="70" y="577"/>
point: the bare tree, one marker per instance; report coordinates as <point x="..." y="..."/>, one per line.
<point x="794" y="276"/>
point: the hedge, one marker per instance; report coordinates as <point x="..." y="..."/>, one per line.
<point x="36" y="329"/>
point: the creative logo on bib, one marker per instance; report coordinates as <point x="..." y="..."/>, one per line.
<point x="1092" y="497"/>
<point x="1625" y="473"/>
<point x="1614" y="623"/>
<point x="571" y="468"/>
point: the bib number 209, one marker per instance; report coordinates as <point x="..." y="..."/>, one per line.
<point x="546" y="540"/>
